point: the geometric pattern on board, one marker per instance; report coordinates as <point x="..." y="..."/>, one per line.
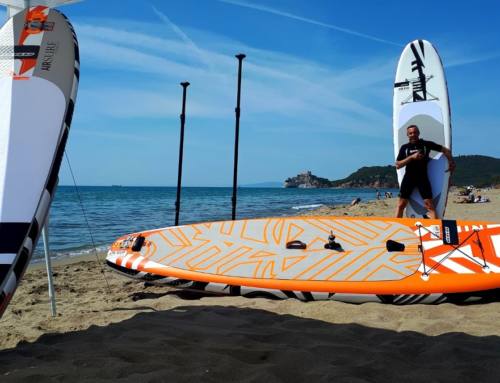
<point x="256" y="248"/>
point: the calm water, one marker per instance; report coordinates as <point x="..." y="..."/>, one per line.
<point x="114" y="211"/>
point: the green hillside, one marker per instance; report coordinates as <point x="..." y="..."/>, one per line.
<point x="476" y="170"/>
<point x="471" y="170"/>
<point x="370" y="176"/>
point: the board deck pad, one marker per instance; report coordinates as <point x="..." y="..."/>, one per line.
<point x="251" y="255"/>
<point x="421" y="98"/>
<point x="39" y="73"/>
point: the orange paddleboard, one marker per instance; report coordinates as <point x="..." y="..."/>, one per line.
<point x="370" y="259"/>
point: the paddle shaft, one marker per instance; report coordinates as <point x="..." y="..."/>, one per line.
<point x="240" y="58"/>
<point x="181" y="153"/>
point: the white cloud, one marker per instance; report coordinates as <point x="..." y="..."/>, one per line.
<point x="274" y="84"/>
<point x="278" y="12"/>
<point x="123" y="102"/>
<point x="461" y="60"/>
<point x="279" y="90"/>
<point x="189" y="42"/>
<point x="123" y="58"/>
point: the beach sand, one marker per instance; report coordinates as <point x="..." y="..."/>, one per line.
<point x="489" y="211"/>
<point x="109" y="327"/>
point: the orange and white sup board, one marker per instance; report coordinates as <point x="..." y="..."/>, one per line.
<point x="388" y="260"/>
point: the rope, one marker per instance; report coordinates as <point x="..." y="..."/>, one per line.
<point x="87" y="222"/>
<point x="480" y="245"/>
<point x="421" y="248"/>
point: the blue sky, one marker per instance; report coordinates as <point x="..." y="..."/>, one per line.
<point x="317" y="85"/>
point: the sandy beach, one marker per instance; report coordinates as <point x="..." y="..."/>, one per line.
<point x="110" y="328"/>
<point x="489" y="211"/>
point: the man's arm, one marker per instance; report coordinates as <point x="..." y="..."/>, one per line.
<point x="451" y="163"/>
<point x="446" y="152"/>
<point x="402" y="163"/>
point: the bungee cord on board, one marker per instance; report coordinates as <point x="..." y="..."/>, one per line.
<point x="455" y="247"/>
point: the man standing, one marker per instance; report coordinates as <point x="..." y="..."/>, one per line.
<point x="415" y="156"/>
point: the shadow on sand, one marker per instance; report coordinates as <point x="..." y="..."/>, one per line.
<point x="228" y="344"/>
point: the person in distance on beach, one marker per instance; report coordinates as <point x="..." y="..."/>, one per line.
<point x="415" y="156"/>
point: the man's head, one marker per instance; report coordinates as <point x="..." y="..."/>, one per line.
<point x="413" y="133"/>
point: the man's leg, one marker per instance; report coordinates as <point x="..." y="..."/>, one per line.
<point x="400" y="207"/>
<point x="429" y="205"/>
<point x="407" y="186"/>
<point x="425" y="190"/>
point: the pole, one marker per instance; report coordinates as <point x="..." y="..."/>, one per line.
<point x="181" y="153"/>
<point x="240" y="58"/>
<point x="48" y="264"/>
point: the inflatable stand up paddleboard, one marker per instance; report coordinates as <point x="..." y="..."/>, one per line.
<point x="39" y="71"/>
<point x="421" y="98"/>
<point x="389" y="260"/>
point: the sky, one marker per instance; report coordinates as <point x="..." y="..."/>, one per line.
<point x="316" y="90"/>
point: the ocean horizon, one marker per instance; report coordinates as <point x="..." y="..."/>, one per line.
<point x="112" y="211"/>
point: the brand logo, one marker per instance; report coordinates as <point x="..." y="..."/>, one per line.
<point x="417" y="65"/>
<point x="24" y="55"/>
<point x="402" y="85"/>
<point x="36" y="26"/>
<point x="48" y="56"/>
<point x="48" y="26"/>
<point x="447" y="234"/>
<point x="450" y="232"/>
<point x="19" y="52"/>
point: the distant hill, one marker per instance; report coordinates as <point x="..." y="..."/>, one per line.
<point x="366" y="177"/>
<point x="307" y="180"/>
<point x="476" y="170"/>
<point x="370" y="177"/>
<point x="471" y="170"/>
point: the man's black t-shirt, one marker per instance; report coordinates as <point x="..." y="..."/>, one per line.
<point x="417" y="168"/>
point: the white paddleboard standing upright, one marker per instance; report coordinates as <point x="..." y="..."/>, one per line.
<point x="39" y="72"/>
<point x="421" y="98"/>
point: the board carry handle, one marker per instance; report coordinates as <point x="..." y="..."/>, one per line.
<point x="138" y="243"/>
<point x="391" y="245"/>
<point x="296" y="245"/>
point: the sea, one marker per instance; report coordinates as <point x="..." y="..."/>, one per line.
<point x="85" y="218"/>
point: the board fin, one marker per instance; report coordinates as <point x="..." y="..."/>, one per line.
<point x="138" y="243"/>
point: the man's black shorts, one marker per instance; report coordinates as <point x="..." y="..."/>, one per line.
<point x="411" y="182"/>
